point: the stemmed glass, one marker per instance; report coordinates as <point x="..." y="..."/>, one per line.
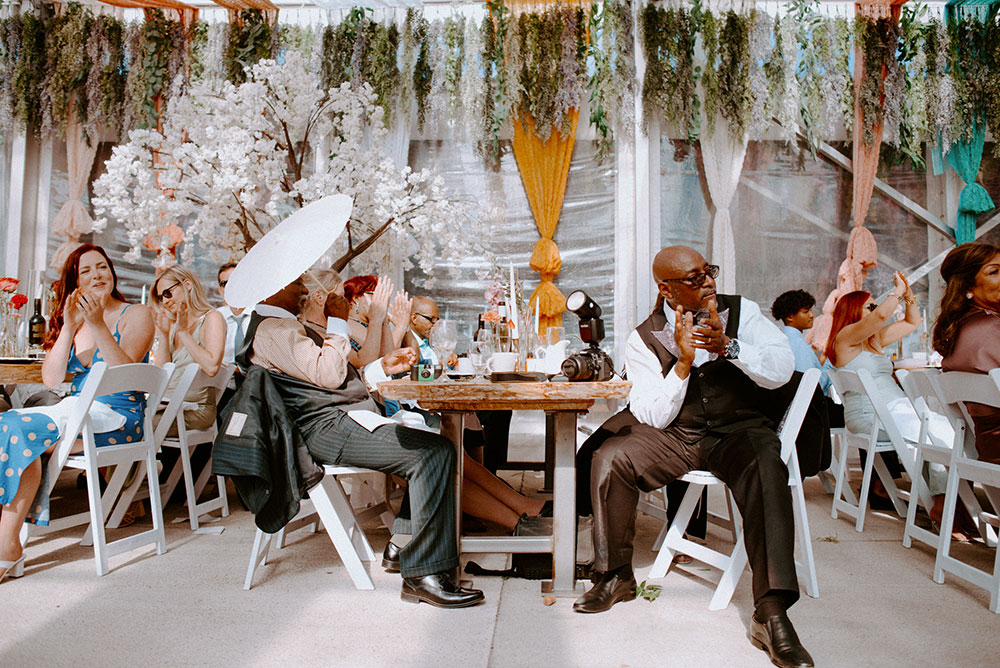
<point x="444" y="338"/>
<point x="480" y="352"/>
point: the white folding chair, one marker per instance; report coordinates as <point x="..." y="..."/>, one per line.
<point x="955" y="388"/>
<point x="861" y="382"/>
<point x="920" y="390"/>
<point x="102" y="380"/>
<point x="329" y="504"/>
<point x="734" y="563"/>
<point x="187" y="439"/>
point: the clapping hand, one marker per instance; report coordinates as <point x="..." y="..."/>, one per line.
<point x="161" y="319"/>
<point x="72" y="314"/>
<point x="708" y="334"/>
<point x="182" y="317"/>
<point x="684" y="335"/>
<point x="92" y="306"/>
<point x="399" y="361"/>
<point x="379" y="306"/>
<point x="399" y="313"/>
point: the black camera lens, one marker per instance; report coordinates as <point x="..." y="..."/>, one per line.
<point x="577" y="367"/>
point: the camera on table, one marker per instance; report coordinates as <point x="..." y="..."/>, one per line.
<point x="591" y="364"/>
<point x="425" y="372"/>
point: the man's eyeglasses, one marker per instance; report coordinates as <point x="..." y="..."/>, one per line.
<point x="428" y="318"/>
<point x="169" y="292"/>
<point x="871" y="307"/>
<point x="697" y="280"/>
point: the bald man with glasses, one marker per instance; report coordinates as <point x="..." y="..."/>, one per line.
<point x="701" y="367"/>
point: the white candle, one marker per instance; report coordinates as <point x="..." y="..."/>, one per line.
<point x="537" y="316"/>
<point x="513" y="303"/>
<point x="143" y="300"/>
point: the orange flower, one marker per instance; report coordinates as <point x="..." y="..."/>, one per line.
<point x="8" y="284"/>
<point x="491" y="316"/>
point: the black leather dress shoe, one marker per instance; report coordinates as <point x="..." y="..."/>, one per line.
<point x="439" y="590"/>
<point x="390" y="558"/>
<point x="608" y="589"/>
<point x="777" y="637"/>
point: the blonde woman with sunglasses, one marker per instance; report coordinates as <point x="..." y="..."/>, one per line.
<point x="188" y="331"/>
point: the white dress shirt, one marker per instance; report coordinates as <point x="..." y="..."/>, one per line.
<point x="765" y="357"/>
<point x="232" y="322"/>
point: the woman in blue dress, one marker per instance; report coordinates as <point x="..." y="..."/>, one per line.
<point x="90" y="323"/>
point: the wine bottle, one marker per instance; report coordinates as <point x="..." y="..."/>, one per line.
<point x="36" y="328"/>
<point x="480" y="328"/>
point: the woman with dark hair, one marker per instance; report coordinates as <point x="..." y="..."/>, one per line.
<point x="967" y="333"/>
<point x="860" y="330"/>
<point x="90" y="323"/>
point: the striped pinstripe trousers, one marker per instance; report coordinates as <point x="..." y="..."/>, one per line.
<point x="425" y="459"/>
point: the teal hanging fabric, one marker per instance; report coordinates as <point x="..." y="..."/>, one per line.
<point x="965" y="157"/>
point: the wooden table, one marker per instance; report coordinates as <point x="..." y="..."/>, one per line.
<point x="561" y="402"/>
<point x="20" y="372"/>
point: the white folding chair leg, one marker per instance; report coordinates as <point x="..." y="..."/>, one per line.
<point x="806" y="568"/>
<point x="338" y="518"/>
<point x="127" y="494"/>
<point x="731" y="575"/>
<point x="258" y="556"/>
<point x="97" y="518"/>
<point x="675" y="532"/>
<point x="112" y="492"/>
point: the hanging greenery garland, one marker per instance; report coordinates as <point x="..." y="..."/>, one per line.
<point x="10" y="51"/>
<point x="453" y="62"/>
<point x="733" y="72"/>
<point x="379" y="68"/>
<point x="760" y="55"/>
<point x="422" y="71"/>
<point x="612" y="84"/>
<point x="250" y="40"/>
<point x="668" y="88"/>
<point x="29" y="74"/>
<point x="991" y="94"/>
<point x="473" y="91"/>
<point x="877" y="38"/>
<point x="496" y="110"/>
<point x="67" y="69"/>
<point x="970" y="71"/>
<point x="107" y="77"/>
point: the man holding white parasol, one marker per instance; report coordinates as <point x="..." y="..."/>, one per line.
<point x="329" y="400"/>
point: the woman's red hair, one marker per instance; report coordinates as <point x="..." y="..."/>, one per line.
<point x="849" y="309"/>
<point x="69" y="280"/>
<point x="356" y="286"/>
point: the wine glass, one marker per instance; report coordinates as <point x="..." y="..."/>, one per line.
<point x="444" y="338"/>
<point x="480" y="352"/>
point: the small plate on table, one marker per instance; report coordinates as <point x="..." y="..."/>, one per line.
<point x="454" y="375"/>
<point x="21" y="360"/>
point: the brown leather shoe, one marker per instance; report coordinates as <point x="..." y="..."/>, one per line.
<point x="608" y="589"/>
<point x="777" y="637"/>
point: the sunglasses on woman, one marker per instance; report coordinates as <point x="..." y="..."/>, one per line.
<point x="169" y="292"/>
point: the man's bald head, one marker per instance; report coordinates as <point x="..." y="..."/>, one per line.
<point x="676" y="270"/>
<point x="423" y="315"/>
<point x="676" y="261"/>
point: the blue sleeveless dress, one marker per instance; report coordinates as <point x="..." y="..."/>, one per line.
<point x="24" y="437"/>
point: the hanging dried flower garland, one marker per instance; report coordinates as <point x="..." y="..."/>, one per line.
<point x="250" y="40"/>
<point x="612" y="84"/>
<point x="668" y="89"/>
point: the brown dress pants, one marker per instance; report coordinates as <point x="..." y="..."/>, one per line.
<point x="640" y="457"/>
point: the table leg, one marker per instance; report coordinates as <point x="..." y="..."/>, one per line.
<point x="550" y="453"/>
<point x="453" y="428"/>
<point x="564" y="511"/>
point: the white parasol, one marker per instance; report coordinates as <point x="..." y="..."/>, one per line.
<point x="284" y="253"/>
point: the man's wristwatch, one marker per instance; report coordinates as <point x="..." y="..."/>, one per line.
<point x="732" y="350"/>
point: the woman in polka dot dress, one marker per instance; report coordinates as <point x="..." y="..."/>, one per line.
<point x="91" y="323"/>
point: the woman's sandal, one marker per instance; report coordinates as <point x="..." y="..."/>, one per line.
<point x="12" y="569"/>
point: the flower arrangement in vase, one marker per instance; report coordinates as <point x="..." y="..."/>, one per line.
<point x="11" y="303"/>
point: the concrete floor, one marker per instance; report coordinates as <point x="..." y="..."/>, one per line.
<point x="877" y="606"/>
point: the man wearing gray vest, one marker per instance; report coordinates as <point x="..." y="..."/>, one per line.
<point x="698" y="366"/>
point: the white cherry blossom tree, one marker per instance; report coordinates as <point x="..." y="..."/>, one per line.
<point x="232" y="161"/>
